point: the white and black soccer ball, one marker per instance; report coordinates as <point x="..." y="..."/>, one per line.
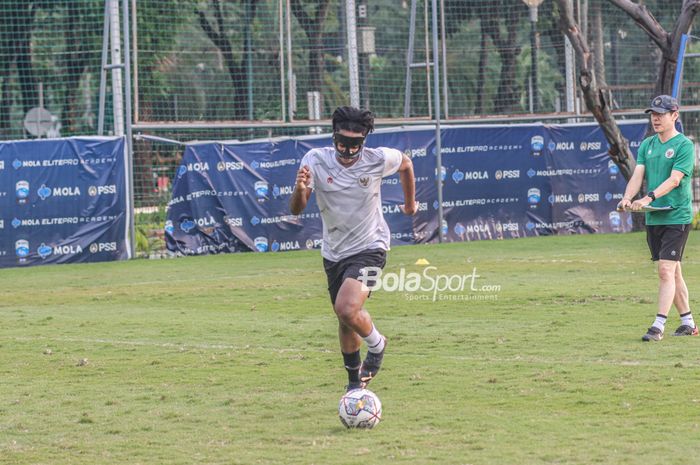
<point x="360" y="408"/>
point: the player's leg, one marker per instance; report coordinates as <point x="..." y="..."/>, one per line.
<point x="349" y="307"/>
<point x="656" y="330"/>
<point x="350" y="343"/>
<point x="677" y="238"/>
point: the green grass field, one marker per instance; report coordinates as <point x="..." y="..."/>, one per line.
<point x="234" y="360"/>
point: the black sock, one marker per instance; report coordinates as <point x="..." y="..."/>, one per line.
<point x="352" y="365"/>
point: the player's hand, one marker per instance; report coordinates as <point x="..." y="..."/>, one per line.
<point x="624" y="204"/>
<point x="303" y="177"/>
<point x="409" y="209"/>
<point x="638" y="204"/>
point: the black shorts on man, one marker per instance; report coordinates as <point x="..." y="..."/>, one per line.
<point x="350" y="267"/>
<point x="667" y="242"/>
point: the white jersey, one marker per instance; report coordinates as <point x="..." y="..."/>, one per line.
<point x="350" y="199"/>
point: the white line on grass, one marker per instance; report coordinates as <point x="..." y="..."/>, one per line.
<point x="475" y="359"/>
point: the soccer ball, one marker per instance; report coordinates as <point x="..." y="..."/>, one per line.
<point x="360" y="408"/>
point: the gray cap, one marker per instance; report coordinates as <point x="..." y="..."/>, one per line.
<point x="663" y="104"/>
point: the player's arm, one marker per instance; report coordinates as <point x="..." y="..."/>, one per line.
<point x="408" y="183"/>
<point x="633" y="186"/>
<point x="302" y="192"/>
<point x="664" y="188"/>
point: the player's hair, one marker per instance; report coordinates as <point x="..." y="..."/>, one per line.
<point x="353" y="119"/>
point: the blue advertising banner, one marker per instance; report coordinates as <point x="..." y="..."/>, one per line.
<point x="498" y="182"/>
<point x="63" y="201"/>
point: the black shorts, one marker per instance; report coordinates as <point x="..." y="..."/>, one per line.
<point x="667" y="242"/>
<point x="350" y="267"/>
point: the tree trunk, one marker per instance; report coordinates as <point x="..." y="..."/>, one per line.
<point x="22" y="30"/>
<point x="597" y="101"/>
<point x="75" y="63"/>
<point x="507" y="94"/>
<point x="235" y="69"/>
<point x="313" y="28"/>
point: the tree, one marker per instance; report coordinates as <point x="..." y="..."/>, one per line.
<point x="668" y="42"/>
<point x="312" y="24"/>
<point x="238" y="70"/>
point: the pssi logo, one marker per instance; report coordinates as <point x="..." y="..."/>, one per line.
<point x="585" y="198"/>
<point x="229" y="166"/>
<point x="99" y="190"/>
<point x="586" y="146"/>
<point x="314" y="243"/>
<point x="97" y="247"/>
<point x="234" y="222"/>
<point x="416" y="153"/>
<point x="507" y="174"/>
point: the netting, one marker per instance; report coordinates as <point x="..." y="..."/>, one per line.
<point x="198" y="63"/>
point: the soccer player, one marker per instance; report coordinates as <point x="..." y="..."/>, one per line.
<point x="666" y="161"/>
<point x="347" y="180"/>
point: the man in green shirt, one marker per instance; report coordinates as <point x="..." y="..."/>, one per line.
<point x="666" y="161"/>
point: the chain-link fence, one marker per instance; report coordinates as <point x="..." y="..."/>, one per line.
<point x="239" y="69"/>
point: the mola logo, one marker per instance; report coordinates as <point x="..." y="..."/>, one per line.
<point x="187" y="225"/>
<point x="457" y="176"/>
<point x="17" y="164"/>
<point x="44" y="192"/>
<point x="275" y="247"/>
<point x="44" y="250"/>
<point x="181" y="171"/>
<point x="459" y="229"/>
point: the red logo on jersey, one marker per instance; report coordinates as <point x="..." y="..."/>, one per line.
<point x="329" y="180"/>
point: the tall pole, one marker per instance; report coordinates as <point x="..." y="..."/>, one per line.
<point x="438" y="144"/>
<point x="103" y="71"/>
<point x="128" y="124"/>
<point x="117" y="85"/>
<point x="363" y="23"/>
<point x="533" y="56"/>
<point x="352" y="53"/>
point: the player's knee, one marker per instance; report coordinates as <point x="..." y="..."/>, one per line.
<point x="346" y="309"/>
<point x="667" y="271"/>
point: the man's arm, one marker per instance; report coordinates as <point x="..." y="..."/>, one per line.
<point x="408" y="183"/>
<point x="662" y="189"/>
<point x="633" y="186"/>
<point x="301" y="193"/>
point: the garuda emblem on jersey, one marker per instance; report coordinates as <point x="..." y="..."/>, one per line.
<point x="363" y="181"/>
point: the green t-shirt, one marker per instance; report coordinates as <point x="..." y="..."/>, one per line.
<point x="659" y="159"/>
